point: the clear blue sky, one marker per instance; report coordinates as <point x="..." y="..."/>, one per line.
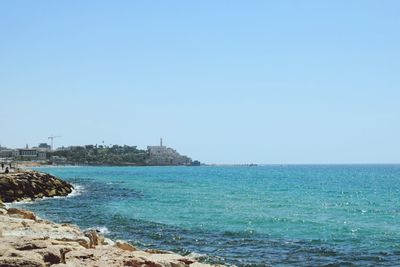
<point x="221" y="81"/>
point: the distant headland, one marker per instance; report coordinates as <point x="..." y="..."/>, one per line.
<point x="101" y="155"/>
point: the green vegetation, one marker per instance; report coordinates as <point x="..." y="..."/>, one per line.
<point x="100" y="155"/>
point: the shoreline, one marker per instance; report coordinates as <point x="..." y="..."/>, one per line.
<point x="28" y="240"/>
<point x="31" y="164"/>
<point x="25" y="166"/>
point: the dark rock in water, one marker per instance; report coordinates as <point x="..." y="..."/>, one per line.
<point x="31" y="185"/>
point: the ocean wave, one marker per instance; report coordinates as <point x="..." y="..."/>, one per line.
<point x="78" y="190"/>
<point x="18" y="203"/>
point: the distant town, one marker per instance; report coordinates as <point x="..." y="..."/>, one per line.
<point x="113" y="155"/>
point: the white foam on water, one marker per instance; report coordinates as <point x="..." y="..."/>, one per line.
<point x="18" y="203"/>
<point x="78" y="190"/>
<point x="196" y="256"/>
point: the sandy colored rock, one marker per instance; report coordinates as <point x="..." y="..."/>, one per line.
<point x="50" y="255"/>
<point x="3" y="211"/>
<point x="94" y="237"/>
<point x="20" y="262"/>
<point x="124" y="245"/>
<point x="157" y="251"/>
<point x="30" y="241"/>
<point x="13" y="257"/>
<point x="24" y="214"/>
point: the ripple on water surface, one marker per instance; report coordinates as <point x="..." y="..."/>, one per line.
<point x="266" y="215"/>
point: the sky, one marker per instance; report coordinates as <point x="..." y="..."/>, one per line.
<point x="274" y="82"/>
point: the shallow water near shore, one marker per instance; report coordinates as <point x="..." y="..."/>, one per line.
<point x="247" y="216"/>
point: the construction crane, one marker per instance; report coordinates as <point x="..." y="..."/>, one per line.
<point x="52" y="138"/>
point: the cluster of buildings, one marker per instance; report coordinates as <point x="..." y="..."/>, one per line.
<point x="35" y="153"/>
<point x="162" y="155"/>
<point x="156" y="155"/>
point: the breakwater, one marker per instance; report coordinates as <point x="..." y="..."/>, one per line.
<point x="22" y="185"/>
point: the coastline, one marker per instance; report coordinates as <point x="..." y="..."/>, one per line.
<point x="27" y="240"/>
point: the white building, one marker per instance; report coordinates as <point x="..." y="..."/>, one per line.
<point x="162" y="155"/>
<point x="30" y="153"/>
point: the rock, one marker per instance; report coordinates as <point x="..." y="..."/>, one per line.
<point x="39" y="195"/>
<point x="124" y="245"/>
<point x="83" y="241"/>
<point x="81" y="256"/>
<point x="25" y="224"/>
<point x="134" y="262"/>
<point x="153" y="264"/>
<point x="157" y="251"/>
<point x="186" y="261"/>
<point x="21" y="258"/>
<point x="30" y="245"/>
<point x="94" y="237"/>
<point x="51" y="193"/>
<point x="20" y="262"/>
<point x="51" y="255"/>
<point x="178" y="264"/>
<point x="64" y="251"/>
<point x="24" y="214"/>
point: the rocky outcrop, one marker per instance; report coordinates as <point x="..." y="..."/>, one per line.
<point x="26" y="240"/>
<point x="22" y="185"/>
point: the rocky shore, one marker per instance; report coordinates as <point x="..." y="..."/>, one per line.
<point x="27" y="240"/>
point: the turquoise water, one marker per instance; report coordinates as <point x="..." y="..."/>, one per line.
<point x="247" y="216"/>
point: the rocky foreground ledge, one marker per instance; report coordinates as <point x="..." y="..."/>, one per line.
<point x="27" y="240"/>
<point x="22" y="185"/>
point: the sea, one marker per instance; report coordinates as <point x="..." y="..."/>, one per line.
<point x="272" y="215"/>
